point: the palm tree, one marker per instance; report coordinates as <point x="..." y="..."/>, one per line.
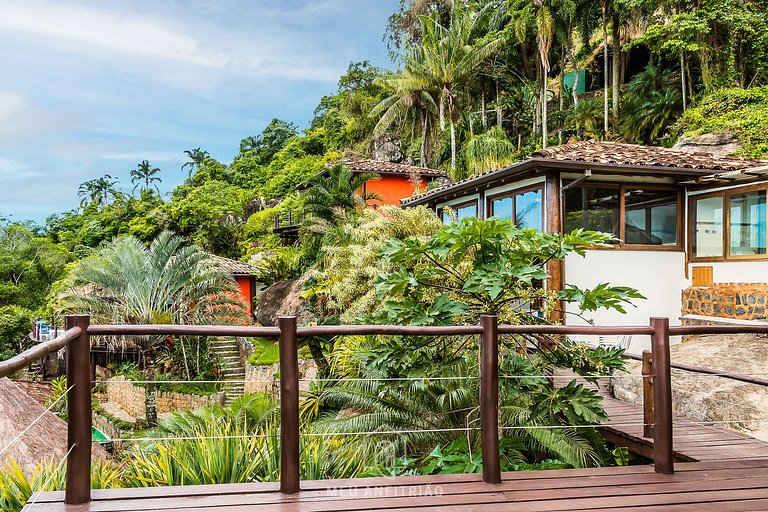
<point x="144" y="176"/>
<point x="339" y="190"/>
<point x="197" y="158"/>
<point x="98" y="190"/>
<point x="545" y="16"/>
<point x="167" y="282"/>
<point x="448" y="58"/>
<point x="407" y="103"/>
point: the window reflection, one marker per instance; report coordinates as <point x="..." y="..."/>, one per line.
<point x="747" y="224"/>
<point x="523" y="208"/>
<point x="650" y="217"/>
<point x="709" y="227"/>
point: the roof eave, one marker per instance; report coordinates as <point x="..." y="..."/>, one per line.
<point x="542" y="163"/>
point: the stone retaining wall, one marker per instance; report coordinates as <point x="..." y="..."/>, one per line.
<point x="743" y="301"/>
<point x="265" y="379"/>
<point x="130" y="398"/>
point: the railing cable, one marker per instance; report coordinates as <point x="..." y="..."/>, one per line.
<point x="53" y="474"/>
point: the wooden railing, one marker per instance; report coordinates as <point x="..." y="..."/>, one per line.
<point x="77" y="340"/>
<point x="289" y="219"/>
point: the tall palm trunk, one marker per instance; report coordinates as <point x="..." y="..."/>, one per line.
<point x="683" y="86"/>
<point x="616" y="41"/>
<point x="453" y="144"/>
<point x="499" y="112"/>
<point x="605" y="66"/>
<point x="484" y="112"/>
<point x="423" y="148"/>
<point x="150" y="397"/>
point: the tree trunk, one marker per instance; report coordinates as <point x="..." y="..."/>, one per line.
<point x="453" y="144"/>
<point x="499" y="112"/>
<point x="323" y="367"/>
<point x="442" y="111"/>
<point x="616" y="41"/>
<point x="484" y="112"/>
<point x="423" y="148"/>
<point x="562" y="97"/>
<point x="150" y="397"/>
<point x="544" y="108"/>
<point x="683" y="86"/>
<point x="471" y="120"/>
<point x="605" y="67"/>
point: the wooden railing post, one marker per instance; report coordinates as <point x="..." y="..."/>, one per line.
<point x="647" y="372"/>
<point x="663" y="456"/>
<point x="489" y="398"/>
<point x="78" y="476"/>
<point x="289" y="405"/>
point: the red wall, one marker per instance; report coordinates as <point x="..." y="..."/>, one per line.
<point x="391" y="188"/>
<point x="244" y="282"/>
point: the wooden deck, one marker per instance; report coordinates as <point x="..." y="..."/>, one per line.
<point x="725" y="472"/>
<point x="722" y="486"/>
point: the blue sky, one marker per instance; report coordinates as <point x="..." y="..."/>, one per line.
<point x="95" y="86"/>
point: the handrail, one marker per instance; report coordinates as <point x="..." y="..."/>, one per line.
<point x="687" y="330"/>
<point x="36" y="353"/>
<point x="184" y="330"/>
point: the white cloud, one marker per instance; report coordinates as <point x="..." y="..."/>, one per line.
<point x="13" y="169"/>
<point x="100" y="30"/>
<point x="21" y="121"/>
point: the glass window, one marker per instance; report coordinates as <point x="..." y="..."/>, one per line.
<point x="650" y="217"/>
<point x="524" y="208"/>
<point x="528" y="209"/>
<point x="458" y="212"/>
<point x="592" y="208"/>
<point x="747" y="232"/>
<point x="502" y="208"/>
<point x="470" y="210"/>
<point x="708" y="235"/>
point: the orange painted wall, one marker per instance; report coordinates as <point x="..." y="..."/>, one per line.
<point x="244" y="283"/>
<point x="391" y="189"/>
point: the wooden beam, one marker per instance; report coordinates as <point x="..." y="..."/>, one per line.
<point x="554" y="210"/>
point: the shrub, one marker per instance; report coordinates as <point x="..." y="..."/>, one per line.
<point x="741" y="112"/>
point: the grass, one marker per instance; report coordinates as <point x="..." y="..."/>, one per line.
<point x="265" y="352"/>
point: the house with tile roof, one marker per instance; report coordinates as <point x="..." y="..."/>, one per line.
<point x="691" y="227"/>
<point x="245" y="276"/>
<point x="394" y="182"/>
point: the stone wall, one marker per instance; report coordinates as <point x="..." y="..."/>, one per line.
<point x="130" y="398"/>
<point x="743" y="301"/>
<point x="265" y="379"/>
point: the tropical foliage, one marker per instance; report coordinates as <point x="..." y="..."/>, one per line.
<point x="168" y="282"/>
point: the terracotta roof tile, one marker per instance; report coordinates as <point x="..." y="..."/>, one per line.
<point x="615" y="153"/>
<point x="390" y="167"/>
<point x="236" y="268"/>
<point x="635" y="154"/>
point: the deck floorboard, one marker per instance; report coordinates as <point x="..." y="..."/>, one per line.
<point x="727" y="472"/>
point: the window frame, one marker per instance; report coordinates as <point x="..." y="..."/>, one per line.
<point x="726" y="196"/>
<point x="510" y="194"/>
<point x="456" y="207"/>
<point x="622" y="188"/>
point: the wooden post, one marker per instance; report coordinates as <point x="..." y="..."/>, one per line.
<point x="78" y="475"/>
<point x="289" y="405"/>
<point x="647" y="372"/>
<point x="663" y="456"/>
<point x="554" y="225"/>
<point x="489" y="399"/>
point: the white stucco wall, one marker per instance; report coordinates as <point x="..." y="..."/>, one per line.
<point x="658" y="275"/>
<point x="737" y="271"/>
